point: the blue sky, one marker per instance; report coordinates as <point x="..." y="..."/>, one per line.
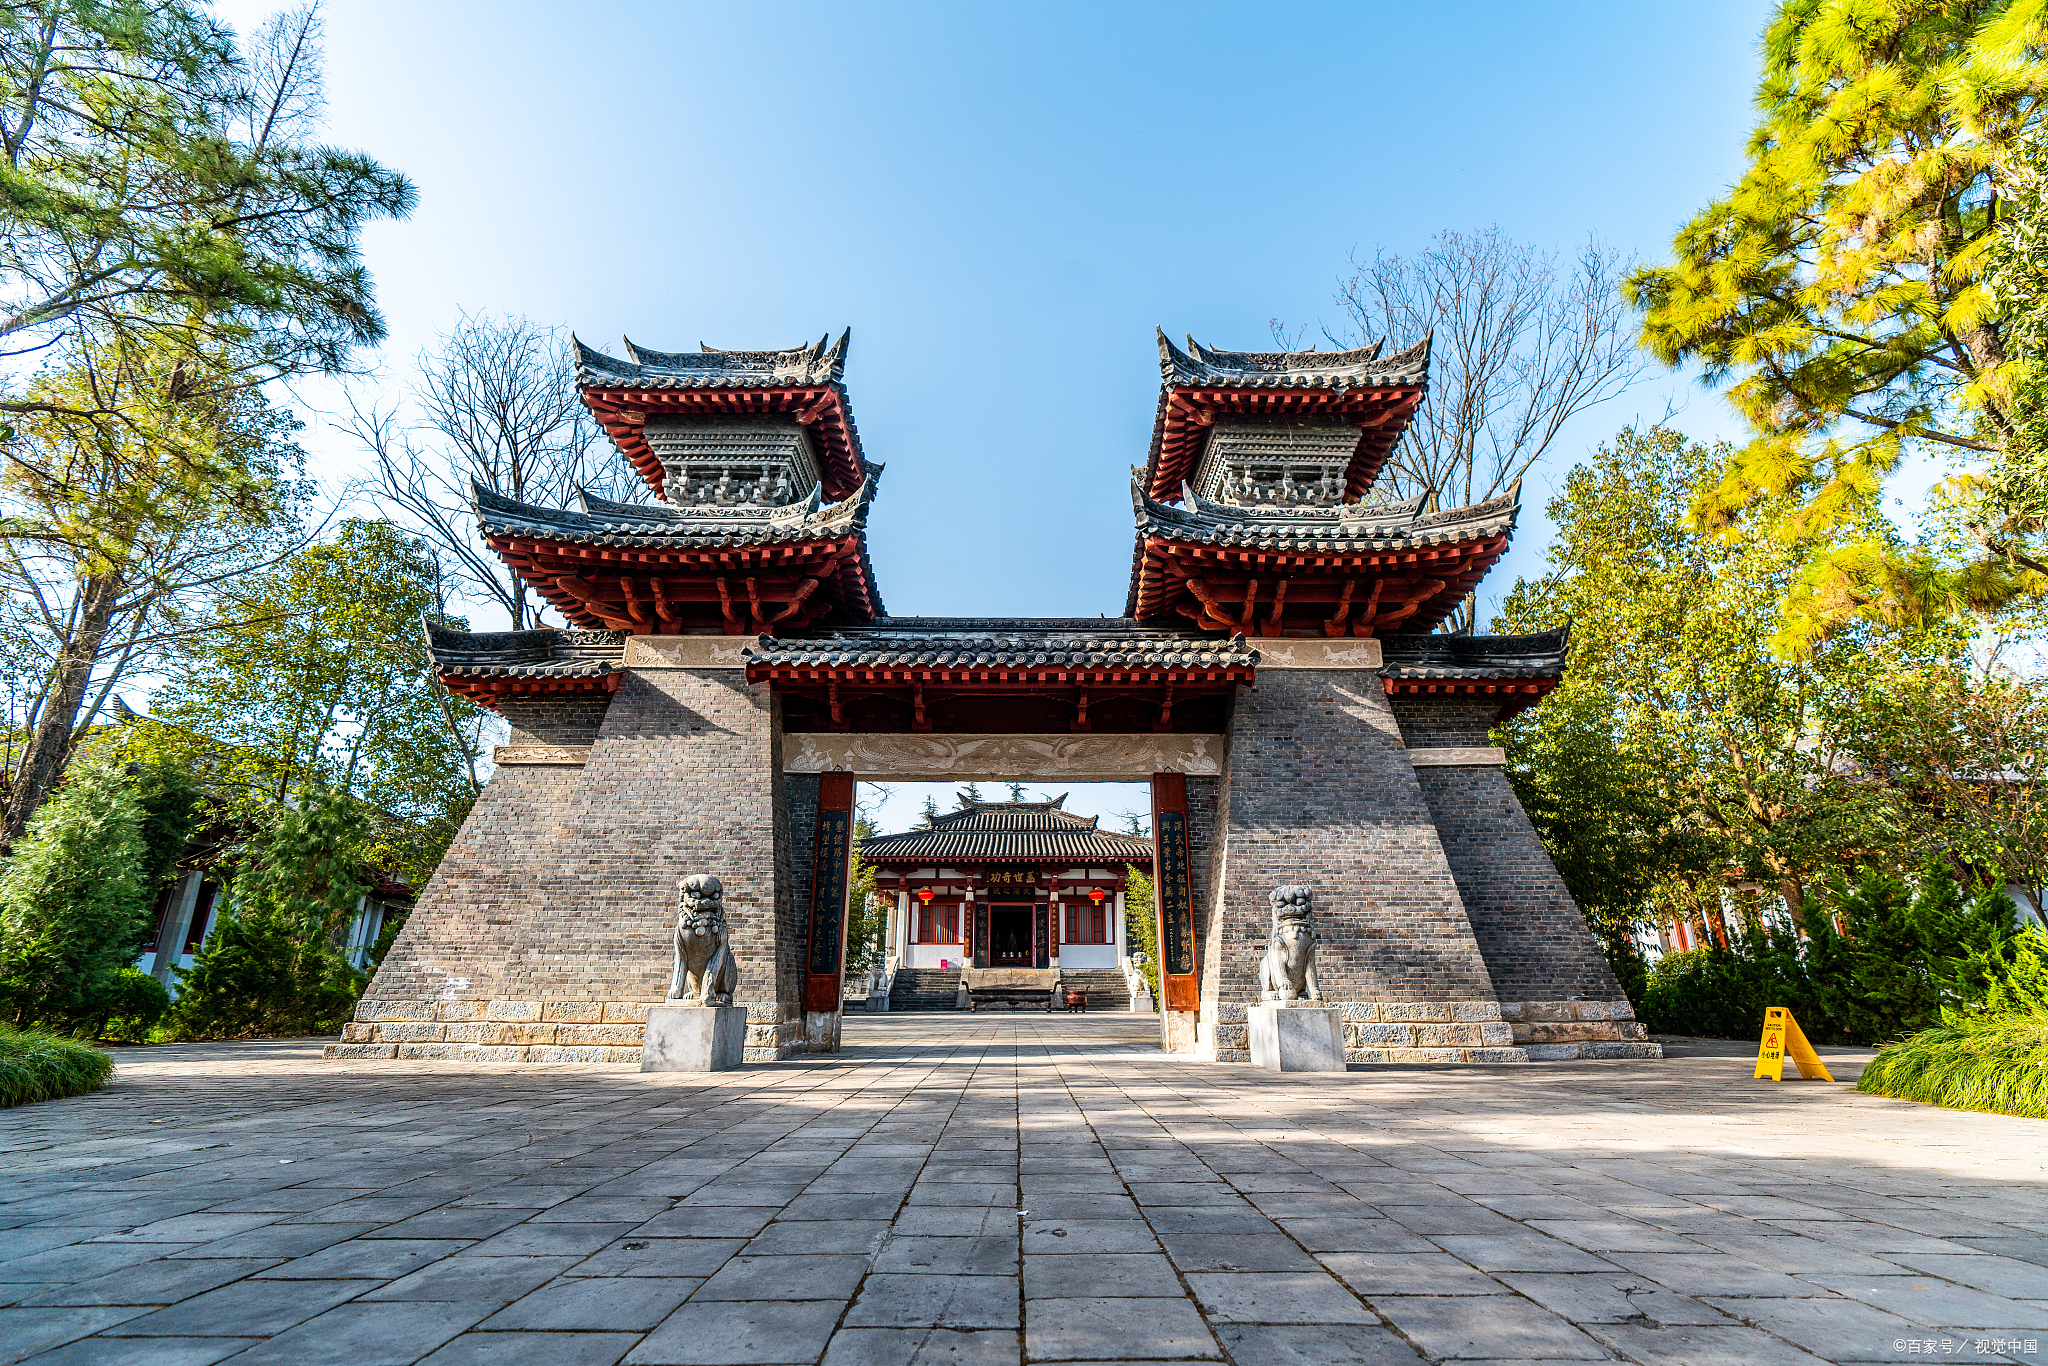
<point x="1002" y="201"/>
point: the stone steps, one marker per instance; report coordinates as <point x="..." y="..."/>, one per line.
<point x="925" y="989"/>
<point x="1106" y="988"/>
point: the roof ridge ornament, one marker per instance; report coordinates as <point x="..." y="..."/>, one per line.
<point x="819" y="362"/>
<point x="1365" y="366"/>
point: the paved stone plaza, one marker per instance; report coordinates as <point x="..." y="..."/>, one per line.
<point x="993" y="1188"/>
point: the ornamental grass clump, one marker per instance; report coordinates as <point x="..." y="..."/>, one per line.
<point x="1993" y="1063"/>
<point x="37" y="1066"/>
<point x="1992" y="1056"/>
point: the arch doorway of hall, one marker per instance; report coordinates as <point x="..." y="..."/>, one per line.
<point x="1010" y="942"/>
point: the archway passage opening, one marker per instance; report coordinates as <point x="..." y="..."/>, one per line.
<point x="1012" y="874"/>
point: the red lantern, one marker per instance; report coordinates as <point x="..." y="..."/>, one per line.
<point x="1096" y="894"/>
<point x="924" y="894"/>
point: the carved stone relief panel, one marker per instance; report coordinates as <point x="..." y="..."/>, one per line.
<point x="1077" y="758"/>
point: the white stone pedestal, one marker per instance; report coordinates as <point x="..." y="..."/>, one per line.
<point x="1296" y="1038"/>
<point x="694" y="1039"/>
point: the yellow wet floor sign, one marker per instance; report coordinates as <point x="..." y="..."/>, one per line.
<point x="1781" y="1036"/>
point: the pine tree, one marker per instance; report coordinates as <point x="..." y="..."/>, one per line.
<point x="1888" y="989"/>
<point x="1839" y="288"/>
<point x="931" y="811"/>
<point x="1017" y="792"/>
<point x="73" y="906"/>
<point x="967" y="796"/>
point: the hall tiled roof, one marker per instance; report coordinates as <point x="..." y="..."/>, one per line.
<point x="1346" y="527"/>
<point x="821" y="362"/>
<point x="1019" y="645"/>
<point x="1436" y="656"/>
<point x="1071" y="847"/>
<point x="1311" y="369"/>
<point x="643" y="526"/>
<point x="1046" y="815"/>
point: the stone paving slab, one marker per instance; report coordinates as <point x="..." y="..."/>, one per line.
<point x="996" y="1189"/>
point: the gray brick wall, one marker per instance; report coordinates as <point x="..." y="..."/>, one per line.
<point x="1431" y="886"/>
<point x="555" y="718"/>
<point x="1320" y="792"/>
<point x="1449" y="724"/>
<point x="1536" y="943"/>
<point x="561" y="885"/>
<point x="464" y="927"/>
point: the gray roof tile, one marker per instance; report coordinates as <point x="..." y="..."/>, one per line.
<point x="1345" y="528"/>
<point x="1456" y="657"/>
<point x="1023" y="645"/>
<point x="543" y="653"/>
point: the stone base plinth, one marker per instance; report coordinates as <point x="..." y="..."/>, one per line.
<point x="535" y="1031"/>
<point x="1177" y="1033"/>
<point x="822" y="1030"/>
<point x="1291" y="1038"/>
<point x="1563" y="1031"/>
<point x="694" y="1039"/>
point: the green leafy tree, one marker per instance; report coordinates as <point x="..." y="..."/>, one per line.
<point x="324" y="679"/>
<point x="73" y="907"/>
<point x="1838" y="289"/>
<point x="111" y="532"/>
<point x="1682" y="754"/>
<point x="867" y="908"/>
<point x="1961" y="742"/>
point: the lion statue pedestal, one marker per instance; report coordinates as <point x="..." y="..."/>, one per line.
<point x="1290" y="1030"/>
<point x="698" y="1029"/>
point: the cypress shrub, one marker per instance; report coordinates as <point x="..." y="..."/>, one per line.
<point x="271" y="965"/>
<point x="73" y="907"/>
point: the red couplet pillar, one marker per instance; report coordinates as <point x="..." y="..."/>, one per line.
<point x="1173" y="882"/>
<point x="831" y="859"/>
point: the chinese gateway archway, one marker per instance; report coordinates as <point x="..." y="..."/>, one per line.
<point x="730" y="672"/>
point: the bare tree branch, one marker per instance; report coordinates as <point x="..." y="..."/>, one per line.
<point x="497" y="402"/>
<point x="1522" y="344"/>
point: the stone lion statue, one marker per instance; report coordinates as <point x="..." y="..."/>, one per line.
<point x="706" y="974"/>
<point x="1288" y="971"/>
